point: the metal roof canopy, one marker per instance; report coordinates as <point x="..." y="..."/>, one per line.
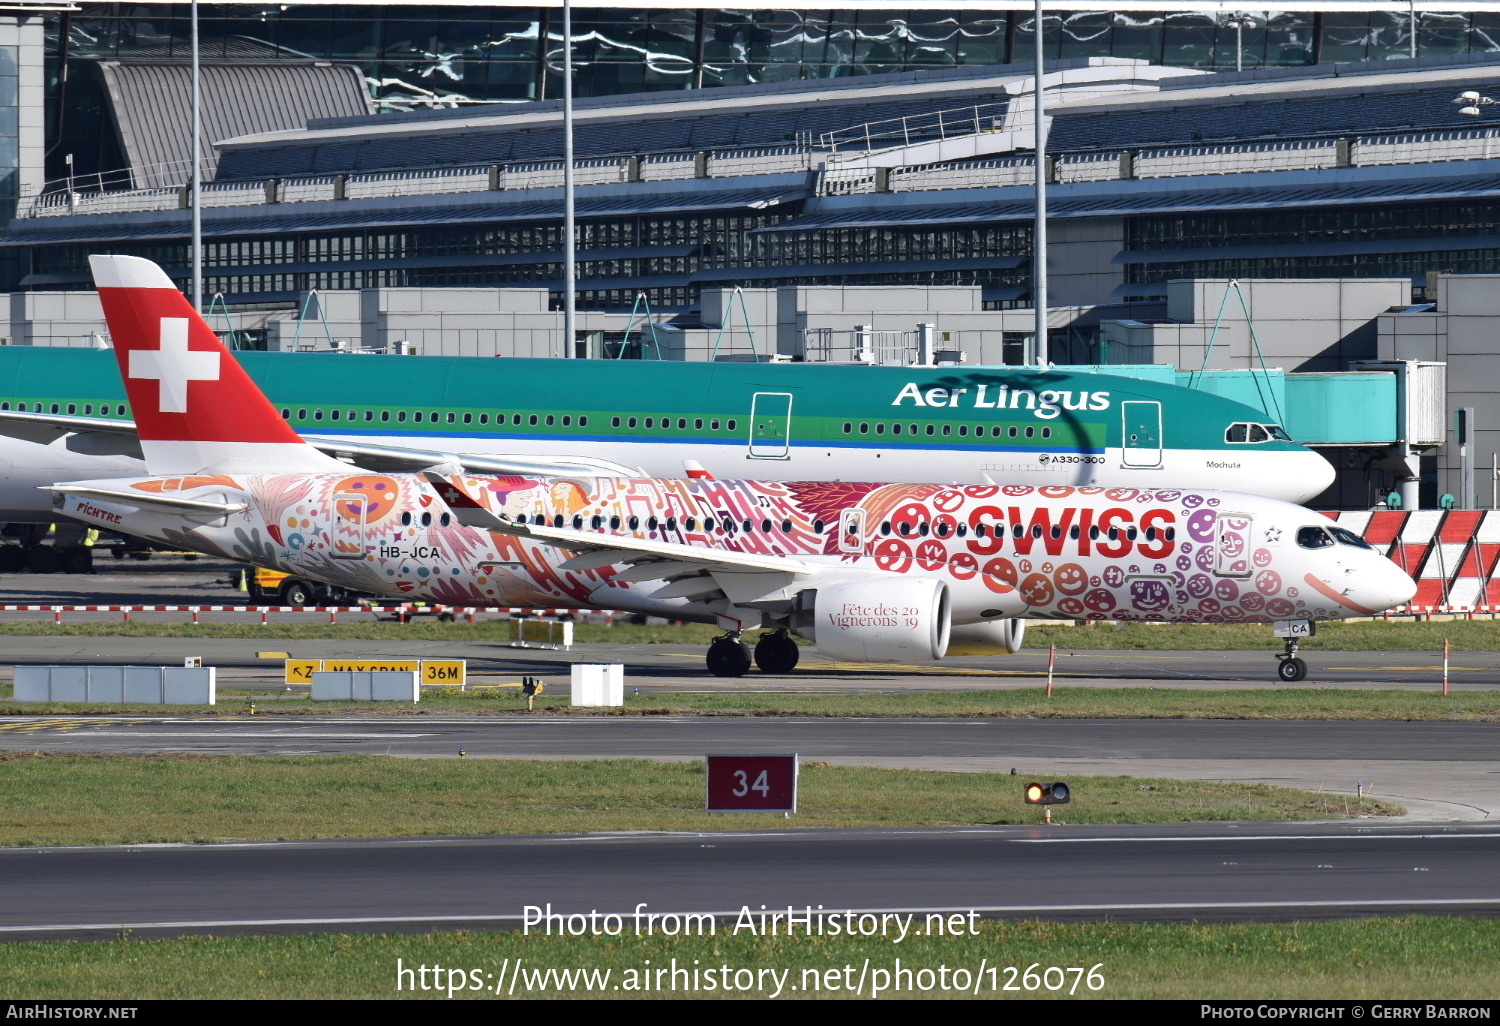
<point x="150" y="103"/>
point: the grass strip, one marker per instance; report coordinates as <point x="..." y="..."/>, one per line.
<point x="1372" y="635"/>
<point x="114" y="799"/>
<point x="1399" y="958"/>
<point x="1022" y="703"/>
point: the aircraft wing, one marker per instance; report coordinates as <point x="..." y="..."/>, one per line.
<point x="45" y="428"/>
<point x="391" y="459"/>
<point x="690" y="571"/>
<point x="150" y="501"/>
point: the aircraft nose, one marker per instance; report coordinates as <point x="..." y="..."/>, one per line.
<point x="1313" y="475"/>
<point x="1383" y="585"/>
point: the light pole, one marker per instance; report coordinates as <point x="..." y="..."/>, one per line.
<point x="197" y="173"/>
<point x="1240" y="20"/>
<point x="570" y="266"/>
<point x="1039" y="232"/>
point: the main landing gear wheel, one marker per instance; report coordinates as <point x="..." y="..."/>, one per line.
<point x="728" y="657"/>
<point x="776" y="653"/>
<point x="1288" y="667"/>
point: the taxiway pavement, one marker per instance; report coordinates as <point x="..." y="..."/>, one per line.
<point x="1198" y="871"/>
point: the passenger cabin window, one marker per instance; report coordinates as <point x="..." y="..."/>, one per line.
<point x="1313" y="538"/>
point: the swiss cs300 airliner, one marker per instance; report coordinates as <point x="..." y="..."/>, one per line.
<point x="870" y="572"/>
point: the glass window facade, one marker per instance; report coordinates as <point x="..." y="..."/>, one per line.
<point x="421" y="54"/>
<point x="1370" y="225"/>
<point x="434" y="55"/>
<point x="269" y="266"/>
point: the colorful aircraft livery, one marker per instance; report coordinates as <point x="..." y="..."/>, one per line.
<point x="1055" y="552"/>
<point x="877" y="572"/>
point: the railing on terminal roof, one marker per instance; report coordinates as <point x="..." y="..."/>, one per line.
<point x="861" y="345"/>
<point x="115" y="193"/>
<point x="943" y="124"/>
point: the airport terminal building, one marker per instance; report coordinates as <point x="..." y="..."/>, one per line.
<point x="830" y="185"/>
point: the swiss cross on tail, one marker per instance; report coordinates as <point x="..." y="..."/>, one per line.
<point x="195" y="407"/>
<point x="174" y="365"/>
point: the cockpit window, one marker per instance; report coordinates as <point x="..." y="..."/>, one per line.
<point x="1250" y="434"/>
<point x="1313" y="538"/>
<point x="1347" y="537"/>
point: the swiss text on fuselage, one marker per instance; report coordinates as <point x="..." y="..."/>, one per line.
<point x="1113" y="532"/>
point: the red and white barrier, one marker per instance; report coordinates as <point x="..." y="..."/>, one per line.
<point x="1453" y="555"/>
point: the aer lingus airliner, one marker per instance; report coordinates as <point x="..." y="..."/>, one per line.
<point x="63" y="414"/>
<point x="887" y="572"/>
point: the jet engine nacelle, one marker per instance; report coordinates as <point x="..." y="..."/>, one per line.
<point x="882" y="621"/>
<point x="996" y="637"/>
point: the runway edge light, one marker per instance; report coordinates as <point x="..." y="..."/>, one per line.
<point x="1058" y="793"/>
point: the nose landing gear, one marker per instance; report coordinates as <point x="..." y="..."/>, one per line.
<point x="1288" y="667"/>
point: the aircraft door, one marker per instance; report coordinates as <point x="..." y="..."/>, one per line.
<point x="1233" y="544"/>
<point x="1140" y="437"/>
<point x="771" y="426"/>
<point x="351" y="530"/>
<point x="852" y="530"/>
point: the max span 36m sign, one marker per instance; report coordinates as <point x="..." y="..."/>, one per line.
<point x="431" y="672"/>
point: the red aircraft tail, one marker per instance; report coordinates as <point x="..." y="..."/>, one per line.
<point x="196" y="410"/>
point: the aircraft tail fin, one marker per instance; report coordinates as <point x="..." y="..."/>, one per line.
<point x="196" y="410"/>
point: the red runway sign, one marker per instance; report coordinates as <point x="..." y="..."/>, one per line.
<point x="752" y="783"/>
